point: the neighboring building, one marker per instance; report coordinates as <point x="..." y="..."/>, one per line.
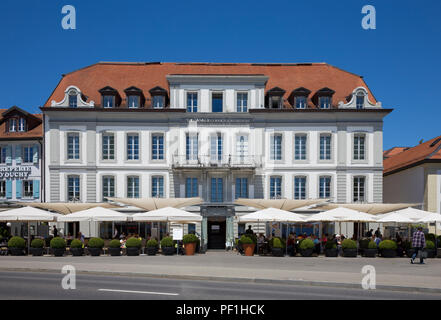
<point x="216" y="131"/>
<point x="414" y="176"/>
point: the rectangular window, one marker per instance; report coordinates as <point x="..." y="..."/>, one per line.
<point x="191" y="188"/>
<point x="133" y="102"/>
<point x="359" y="189"/>
<point x="108" y="101"/>
<point x="191" y="147"/>
<point x="158" y="102"/>
<point x="300" y="188"/>
<point x="73" y="188"/>
<point x="22" y="124"/>
<point x="108" y="187"/>
<point x="217" y="102"/>
<point x="157" y="147"/>
<point x="217" y="187"/>
<point x="216" y="147"/>
<point x="275" y="102"/>
<point x="275" y="188"/>
<point x="132" y="147"/>
<point x="241" y="188"/>
<point x="73" y="101"/>
<point x="359" y="147"/>
<point x="12" y="125"/>
<point x="2" y="189"/>
<point x="132" y="187"/>
<point x="325" y="188"/>
<point x="28" y="154"/>
<point x="108" y="146"/>
<point x="242" y="102"/>
<point x="325" y="102"/>
<point x="28" y="189"/>
<point x="276" y="147"/>
<point x="73" y="146"/>
<point x="158" y="187"/>
<point x="192" y="102"/>
<point x="3" y="152"/>
<point x="300" y="147"/>
<point x="242" y="148"/>
<point x="300" y="102"/>
<point x="325" y="147"/>
<point x="360" y="101"/>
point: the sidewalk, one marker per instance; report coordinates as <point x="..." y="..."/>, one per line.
<point x="391" y="274"/>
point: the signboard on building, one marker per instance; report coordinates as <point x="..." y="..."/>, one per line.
<point x="15" y="172"/>
<point x="178" y="233"/>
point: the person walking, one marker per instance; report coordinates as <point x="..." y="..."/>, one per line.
<point x="55" y="231"/>
<point x="418" y="244"/>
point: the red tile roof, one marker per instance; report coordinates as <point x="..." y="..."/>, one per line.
<point x="394" y="151"/>
<point x="35" y="132"/>
<point x="146" y="76"/>
<point x="429" y="151"/>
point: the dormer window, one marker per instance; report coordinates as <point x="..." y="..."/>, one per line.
<point x="133" y="102"/>
<point x="13" y="125"/>
<point x="360" y="100"/>
<point x="108" y="101"/>
<point x="135" y="97"/>
<point x="275" y="98"/>
<point x="110" y="97"/>
<point x="158" y="102"/>
<point x="299" y="98"/>
<point x="73" y="99"/>
<point x="159" y="97"/>
<point x="325" y="102"/>
<point x="22" y="124"/>
<point x="323" y="98"/>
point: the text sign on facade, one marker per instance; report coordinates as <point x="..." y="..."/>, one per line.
<point x="178" y="233"/>
<point x="18" y="172"/>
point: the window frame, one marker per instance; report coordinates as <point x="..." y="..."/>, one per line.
<point x="295" y="189"/>
<point x="106" y="176"/>
<point x="128" y="134"/>
<point x="25" y="193"/>
<point x="272" y="147"/>
<point x="158" y="159"/>
<point x="241" y="108"/>
<point x="192" y="107"/>
<point x="128" y="185"/>
<point x="103" y="136"/>
<point x="320" y="186"/>
<point x="159" y="177"/>
<point x="331" y="147"/>
<point x="74" y="176"/>
<point x="354" y="178"/>
<point x="77" y="134"/>
<point x="306" y="147"/>
<point x="276" y="177"/>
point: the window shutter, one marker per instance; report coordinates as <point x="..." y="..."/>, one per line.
<point x="18" y="188"/>
<point x="35" y="150"/>
<point x="9" y="155"/>
<point x="18" y="154"/>
<point x="8" y="189"/>
<point x="36" y="187"/>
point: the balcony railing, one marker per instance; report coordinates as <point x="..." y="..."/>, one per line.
<point x="213" y="161"/>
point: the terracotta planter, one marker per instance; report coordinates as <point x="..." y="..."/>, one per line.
<point x="249" y="249"/>
<point x="190" y="248"/>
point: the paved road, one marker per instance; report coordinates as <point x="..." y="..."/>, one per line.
<point x="44" y="286"/>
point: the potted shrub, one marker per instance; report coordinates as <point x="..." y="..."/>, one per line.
<point x="58" y="246"/>
<point x="17" y="246"/>
<point x="37" y="247"/>
<point x="76" y="248"/>
<point x="331" y="249"/>
<point x="190" y="241"/>
<point x="132" y="246"/>
<point x="371" y="250"/>
<point x="167" y="246"/>
<point x="152" y="247"/>
<point x="115" y="248"/>
<point x="95" y="246"/>
<point x="430" y="248"/>
<point x="248" y="245"/>
<point x="388" y="249"/>
<point x="306" y="247"/>
<point x="349" y="248"/>
<point x="277" y="248"/>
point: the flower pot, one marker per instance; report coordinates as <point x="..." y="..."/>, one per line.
<point x="331" y="252"/>
<point x="58" y="252"/>
<point x="37" y="252"/>
<point x="249" y="249"/>
<point x="388" y="253"/>
<point x="277" y="252"/>
<point x="306" y="252"/>
<point x="16" y="251"/>
<point x="410" y="252"/>
<point x="370" y="253"/>
<point x="151" y="251"/>
<point x="77" y="252"/>
<point x="133" y="251"/>
<point x="168" y="251"/>
<point x="350" y="253"/>
<point x="431" y="253"/>
<point x="115" y="252"/>
<point x="94" y="252"/>
<point x="190" y="248"/>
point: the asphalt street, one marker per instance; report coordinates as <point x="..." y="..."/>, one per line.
<point x="45" y="286"/>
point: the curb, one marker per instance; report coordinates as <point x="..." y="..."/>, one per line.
<point x="243" y="280"/>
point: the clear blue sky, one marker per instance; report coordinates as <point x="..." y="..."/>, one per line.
<point x="400" y="60"/>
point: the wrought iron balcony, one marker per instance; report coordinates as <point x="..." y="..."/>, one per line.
<point x="216" y="161"/>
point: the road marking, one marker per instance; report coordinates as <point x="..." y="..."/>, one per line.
<point x="140" y="292"/>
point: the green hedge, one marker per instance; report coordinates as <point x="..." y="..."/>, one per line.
<point x="167" y="242"/>
<point x="190" y="238"/>
<point x="372" y="245"/>
<point x="330" y="244"/>
<point x="58" y="243"/>
<point x="430" y="244"/>
<point x="277" y="243"/>
<point x="76" y="244"/>
<point x="37" y="243"/>
<point x="349" y="244"/>
<point x="114" y="244"/>
<point x="95" y="243"/>
<point x="152" y="243"/>
<point x="307" y="244"/>
<point x="133" y="243"/>
<point x="17" y="242"/>
<point x="245" y="239"/>
<point x="388" y="245"/>
<point x="364" y="243"/>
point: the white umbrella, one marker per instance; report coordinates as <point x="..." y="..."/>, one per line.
<point x="395" y="217"/>
<point x="431" y="218"/>
<point x="168" y="214"/>
<point x="414" y="214"/>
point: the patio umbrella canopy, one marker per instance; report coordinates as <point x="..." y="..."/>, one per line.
<point x="371" y="208"/>
<point x="414" y="214"/>
<point x="151" y="204"/>
<point x="97" y="214"/>
<point x="167" y="214"/>
<point x="282" y="204"/>
<point x="272" y="215"/>
<point x="28" y="214"/>
<point x="395" y="217"/>
<point x="345" y="215"/>
<point x="431" y="218"/>
<point x="68" y="207"/>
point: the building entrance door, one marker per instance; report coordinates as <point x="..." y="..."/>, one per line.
<point x="216" y="232"/>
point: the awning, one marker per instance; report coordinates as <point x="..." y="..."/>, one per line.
<point x="98" y="214"/>
<point x="150" y="204"/>
<point x="342" y="214"/>
<point x="28" y="214"/>
<point x="282" y="204"/>
<point x="371" y="208"/>
<point x="167" y="214"/>
<point x="67" y="207"/>
<point x="272" y="215"/>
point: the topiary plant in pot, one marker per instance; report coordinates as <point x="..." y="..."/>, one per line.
<point x="76" y="248"/>
<point x="388" y="248"/>
<point x="152" y="247"/>
<point x="371" y="250"/>
<point x="167" y="247"/>
<point x="277" y="248"/>
<point x="306" y="247"/>
<point x="115" y="248"/>
<point x="331" y="249"/>
<point x="349" y="248"/>
<point x="37" y="247"/>
<point x="58" y="246"/>
<point x="17" y="246"/>
<point x="248" y="245"/>
<point x="133" y="246"/>
<point x="430" y="248"/>
<point x="190" y="241"/>
<point x="95" y="246"/>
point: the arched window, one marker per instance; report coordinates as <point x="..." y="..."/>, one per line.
<point x="360" y="97"/>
